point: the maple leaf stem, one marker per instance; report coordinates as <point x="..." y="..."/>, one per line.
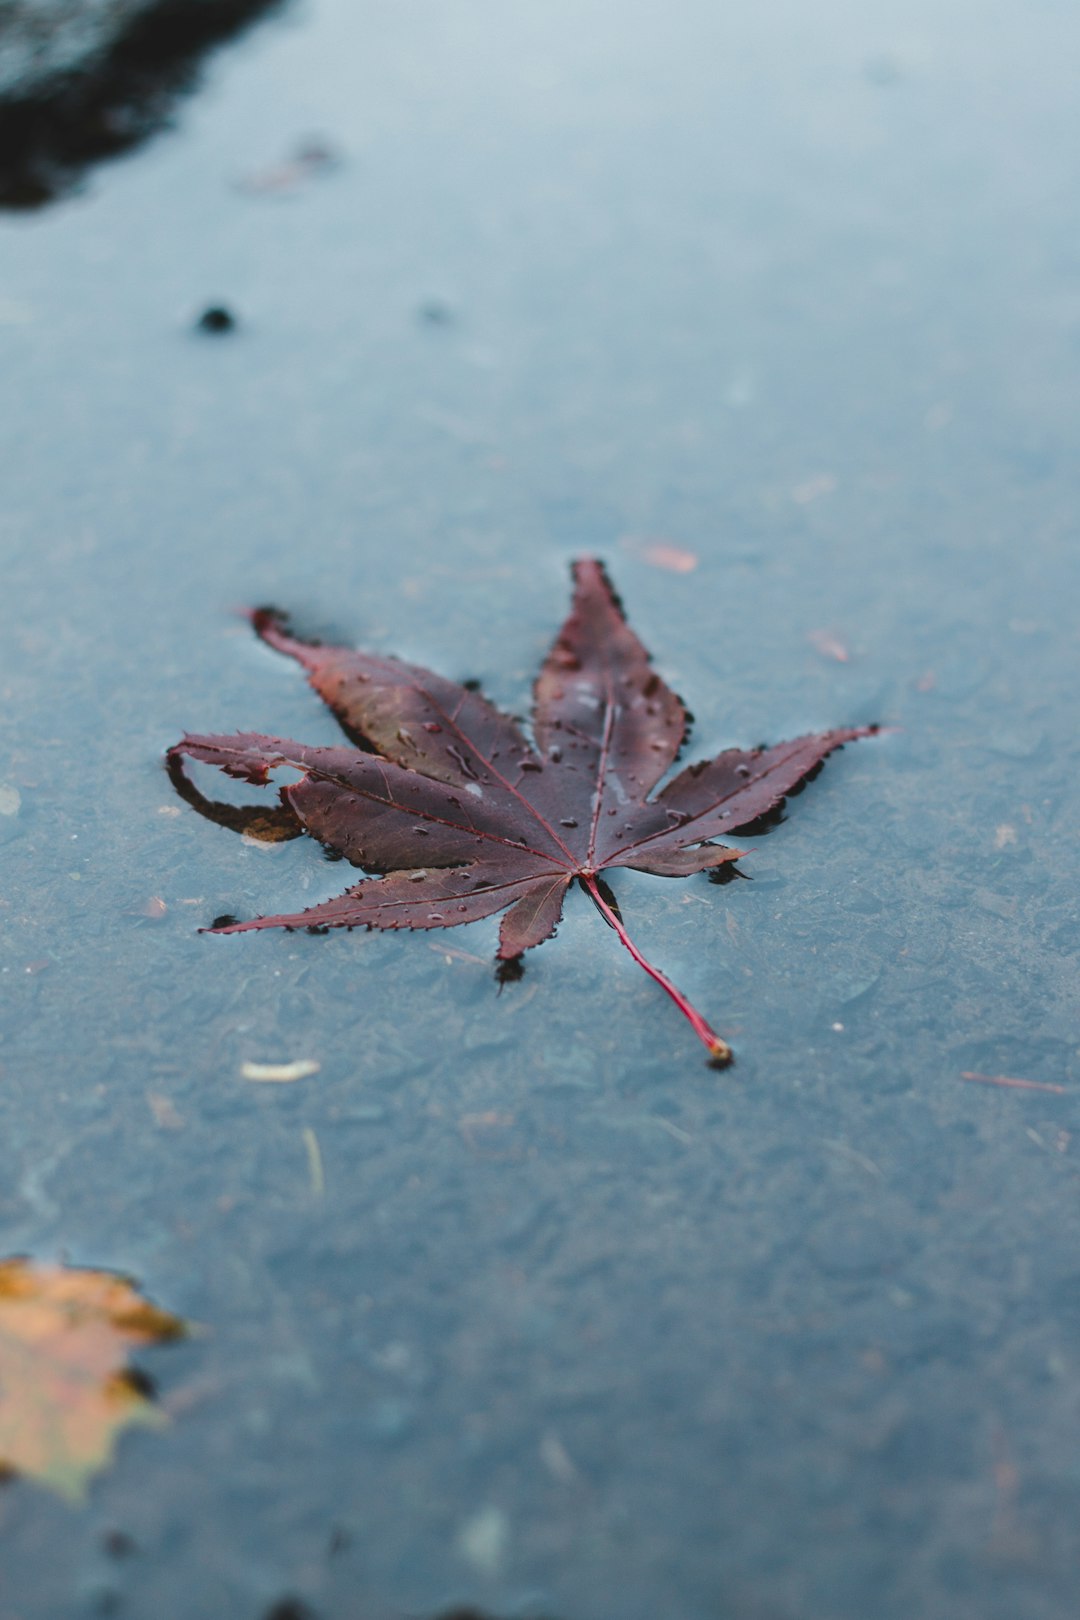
<point x="719" y="1051"/>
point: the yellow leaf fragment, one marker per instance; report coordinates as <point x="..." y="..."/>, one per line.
<point x="280" y="1074"/>
<point x="65" y="1388"/>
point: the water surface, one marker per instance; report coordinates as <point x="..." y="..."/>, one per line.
<point x="550" y="1319"/>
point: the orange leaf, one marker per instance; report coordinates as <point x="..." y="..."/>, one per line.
<point x="65" y="1390"/>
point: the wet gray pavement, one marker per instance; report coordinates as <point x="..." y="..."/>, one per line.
<point x="513" y="1304"/>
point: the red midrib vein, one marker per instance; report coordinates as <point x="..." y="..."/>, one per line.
<point x="601" y="771"/>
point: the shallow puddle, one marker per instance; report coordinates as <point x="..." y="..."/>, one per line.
<point x="505" y="1300"/>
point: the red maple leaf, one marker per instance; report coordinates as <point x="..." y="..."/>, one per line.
<point x="464" y="816"/>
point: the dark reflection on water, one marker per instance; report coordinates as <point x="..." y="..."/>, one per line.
<point x="273" y="823"/>
<point x="83" y="82"/>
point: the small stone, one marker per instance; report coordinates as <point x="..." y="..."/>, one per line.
<point x="216" y="318"/>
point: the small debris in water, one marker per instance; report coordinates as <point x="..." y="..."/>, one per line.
<point x="166" y="1117"/>
<point x="280" y="1074"/>
<point x="216" y="318"/>
<point x="118" y="1544"/>
<point x="1014" y="1084"/>
<point x="661" y="554"/>
<point x="482" y="1541"/>
<point x="289" y="1608"/>
<point x="453" y="953"/>
<point x="829" y="646"/>
<point x="436" y="313"/>
<point x="314" y="1158"/>
<point x="311" y="160"/>
<point x="557" y="1460"/>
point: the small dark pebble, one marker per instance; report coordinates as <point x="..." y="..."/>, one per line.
<point x="118" y="1544"/>
<point x="226" y="920"/>
<point x="289" y="1608"/>
<point x="216" y="319"/>
<point x="436" y="313"/>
